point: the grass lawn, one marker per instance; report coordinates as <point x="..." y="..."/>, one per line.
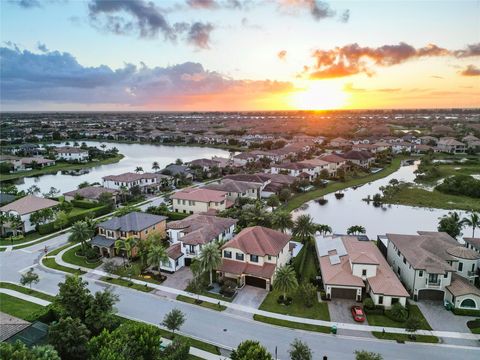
<point x="126" y="283"/>
<point x="19" y="308"/>
<point x="306" y="264"/>
<point x="474" y="326"/>
<point x="28" y="291"/>
<point x="420" y="197"/>
<point x="299" y="199"/>
<point x="70" y="257"/>
<point x="405" y="337"/>
<point x="204" y="304"/>
<point x="318" y="311"/>
<point x="51" y="263"/>
<point x="61" y="166"/>
<point x="292" y="324"/>
<point x="382" y="320"/>
<point x="57" y="250"/>
<point x="28" y="237"/>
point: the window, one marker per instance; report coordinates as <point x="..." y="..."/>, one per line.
<point x="433" y="278"/>
<point x="420" y="273"/>
<point x="380" y="300"/>
<point x="404" y="260"/>
<point x="227" y="254"/>
<point x="364" y="272"/>
<point x="254" y="258"/>
<point x="239" y="256"/>
<point x="269" y="257"/>
<point x="395" y="300"/>
<point x="460" y="266"/>
<point x="445" y="275"/>
<point x="468" y="303"/>
<point x="398" y="252"/>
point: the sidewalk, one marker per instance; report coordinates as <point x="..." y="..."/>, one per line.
<point x="253" y="311"/>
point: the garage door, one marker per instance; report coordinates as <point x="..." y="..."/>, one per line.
<point x="344" y="293"/>
<point x="430" y="294"/>
<point x="254" y="281"/>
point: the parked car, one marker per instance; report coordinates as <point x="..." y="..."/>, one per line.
<point x="358" y="314"/>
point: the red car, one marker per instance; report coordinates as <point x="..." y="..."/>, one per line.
<point x="358" y="314"/>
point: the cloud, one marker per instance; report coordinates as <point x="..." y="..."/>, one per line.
<point x="58" y="78"/>
<point x="199" y="35"/>
<point x="42" y="47"/>
<point x="319" y="10"/>
<point x="282" y="54"/>
<point x="216" y="4"/>
<point x="203" y="4"/>
<point x="349" y="87"/>
<point x="470" y="50"/>
<point x="353" y="59"/>
<point x="27" y="4"/>
<point x="471" y="70"/>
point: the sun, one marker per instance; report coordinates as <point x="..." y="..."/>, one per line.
<point x="319" y="95"/>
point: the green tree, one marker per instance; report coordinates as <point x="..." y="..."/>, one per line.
<point x="33" y="190"/>
<point x="273" y="201"/>
<point x="73" y="298"/>
<point x="80" y="232"/>
<point x="282" y="220"/>
<point x="367" y="355"/>
<point x="356" y="230"/>
<point x="138" y="169"/>
<point x="29" y="278"/>
<point x="249" y="350"/>
<point x="19" y="351"/>
<point x="178" y="349"/>
<point x="284" y="195"/>
<point x="106" y="199"/>
<point x="15" y="223"/>
<point x="83" y="185"/>
<point x="155" y="166"/>
<point x="41" y="217"/>
<point x="61" y="220"/>
<point x="210" y="258"/>
<point x="69" y="337"/>
<point x="126" y="245"/>
<point x="308" y="293"/>
<point x="100" y="313"/>
<point x="125" y="210"/>
<point x="285" y="279"/>
<point x="157" y="254"/>
<point x="472" y="221"/>
<point x="451" y="224"/>
<point x="304" y="229"/>
<point x="324" y="229"/>
<point x="412" y="324"/>
<point x="173" y="320"/>
<point x="299" y="350"/>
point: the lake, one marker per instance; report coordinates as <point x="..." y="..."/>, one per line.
<point x="134" y="155"/>
<point x="352" y="210"/>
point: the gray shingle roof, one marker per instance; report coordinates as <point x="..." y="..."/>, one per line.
<point x="102" y="241"/>
<point x="135" y="221"/>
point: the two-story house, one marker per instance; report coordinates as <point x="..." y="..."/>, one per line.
<point x="197" y="200"/>
<point x="237" y="189"/>
<point x="335" y="162"/>
<point x="128" y="180"/>
<point x="351" y="266"/>
<point x="189" y="235"/>
<point x="296" y="169"/>
<point x="451" y="145"/>
<point x="360" y="158"/>
<point x="253" y="256"/>
<point x="434" y="266"/>
<point x="69" y="153"/>
<point x="135" y="225"/>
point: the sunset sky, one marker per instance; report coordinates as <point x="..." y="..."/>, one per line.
<point x="238" y="55"/>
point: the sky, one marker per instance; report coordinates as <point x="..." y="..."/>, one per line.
<point x="234" y="55"/>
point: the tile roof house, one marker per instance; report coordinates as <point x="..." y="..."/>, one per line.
<point x="349" y="266"/>
<point x="450" y="145"/>
<point x="189" y="235"/>
<point x="431" y="263"/>
<point x="360" y="158"/>
<point x="25" y="207"/>
<point x="197" y="200"/>
<point x="70" y="153"/>
<point x="236" y="189"/>
<point x="295" y="169"/>
<point x="133" y="225"/>
<point x="90" y="193"/>
<point x="146" y="181"/>
<point x="253" y="255"/>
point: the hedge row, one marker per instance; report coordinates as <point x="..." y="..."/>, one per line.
<point x="50" y="227"/>
<point x="466" y="312"/>
<point x="84" y="204"/>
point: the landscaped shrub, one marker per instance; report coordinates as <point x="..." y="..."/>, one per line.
<point x="91" y="254"/>
<point x="397" y="313"/>
<point x="228" y="288"/>
<point x="84" y="204"/>
<point x="377" y="310"/>
<point x="368" y="304"/>
<point x="466" y="312"/>
<point x="46" y="228"/>
<point x="473" y="324"/>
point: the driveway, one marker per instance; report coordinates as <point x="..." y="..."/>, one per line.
<point x="179" y="279"/>
<point x="340" y="311"/>
<point x="250" y="296"/>
<point x="441" y="319"/>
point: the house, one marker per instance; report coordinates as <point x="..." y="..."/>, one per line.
<point x="450" y="145"/>
<point x="24" y="163"/>
<point x="69" y="153"/>
<point x="25" y="207"/>
<point x="434" y="266"/>
<point x="135" y="225"/>
<point x="361" y="158"/>
<point x="472" y="243"/>
<point x="197" y="200"/>
<point x="236" y="189"/>
<point x="318" y="165"/>
<point x="204" y="164"/>
<point x="472" y="141"/>
<point x="339" y="143"/>
<point x="295" y="169"/>
<point x="178" y="171"/>
<point x="259" y="178"/>
<point x="146" y="181"/>
<point x="335" y="162"/>
<point x="243" y="159"/>
<point x="253" y="256"/>
<point x="90" y="193"/>
<point x="351" y="266"/>
<point x="189" y="235"/>
<point x="276" y="183"/>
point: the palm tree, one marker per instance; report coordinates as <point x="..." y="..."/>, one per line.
<point x="451" y="224"/>
<point x="285" y="279"/>
<point x="157" y="254"/>
<point x="128" y="245"/>
<point x="210" y="259"/>
<point x="304" y="229"/>
<point x="324" y="229"/>
<point x="155" y="166"/>
<point x="138" y="169"/>
<point x="472" y="221"/>
<point x="123" y="192"/>
<point x="282" y="220"/>
<point x="80" y="232"/>
<point x="15" y="223"/>
<point x="356" y="230"/>
<point x="120" y="245"/>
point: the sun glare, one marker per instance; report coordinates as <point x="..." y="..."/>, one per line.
<point x="319" y="95"/>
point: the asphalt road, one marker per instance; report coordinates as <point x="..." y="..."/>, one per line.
<point x="223" y="328"/>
